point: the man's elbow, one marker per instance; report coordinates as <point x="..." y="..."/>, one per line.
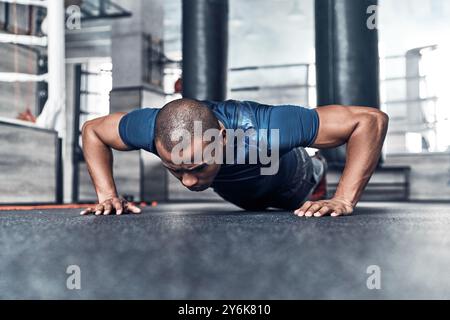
<point x="382" y="120"/>
<point x="88" y="129"/>
<point x="378" y="120"/>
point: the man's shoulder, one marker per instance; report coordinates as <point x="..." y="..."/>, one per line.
<point x="136" y="128"/>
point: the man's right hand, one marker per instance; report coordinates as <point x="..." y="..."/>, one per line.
<point x="100" y="136"/>
<point x="110" y="206"/>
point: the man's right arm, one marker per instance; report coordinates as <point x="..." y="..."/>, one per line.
<point x="99" y="137"/>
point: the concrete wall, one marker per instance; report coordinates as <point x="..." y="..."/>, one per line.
<point x="29" y="162"/>
<point x="128" y="40"/>
<point x="93" y="40"/>
<point x="16" y="97"/>
<point x="429" y="176"/>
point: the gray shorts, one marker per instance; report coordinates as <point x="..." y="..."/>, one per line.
<point x="290" y="194"/>
<point x="308" y="174"/>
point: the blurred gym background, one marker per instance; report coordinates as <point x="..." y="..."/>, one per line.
<point x="65" y="62"/>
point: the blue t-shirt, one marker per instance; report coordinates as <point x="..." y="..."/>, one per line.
<point x="298" y="127"/>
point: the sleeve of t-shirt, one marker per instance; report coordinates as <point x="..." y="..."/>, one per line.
<point x="137" y="129"/>
<point x="297" y="126"/>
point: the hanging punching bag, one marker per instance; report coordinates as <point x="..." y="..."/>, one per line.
<point x="205" y="49"/>
<point x="347" y="59"/>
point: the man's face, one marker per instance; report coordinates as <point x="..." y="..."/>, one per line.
<point x="195" y="176"/>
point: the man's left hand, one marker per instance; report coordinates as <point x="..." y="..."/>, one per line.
<point x="335" y="207"/>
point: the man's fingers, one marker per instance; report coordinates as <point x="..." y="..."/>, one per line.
<point x="301" y="212"/>
<point x="316" y="209"/>
<point x="313" y="209"/>
<point x="325" y="210"/>
<point x="310" y="208"/>
<point x="118" y="206"/>
<point x="85" y="211"/>
<point x="338" y="213"/>
<point x="108" y="208"/>
<point x="333" y="207"/>
<point x="133" y="209"/>
<point x="99" y="209"/>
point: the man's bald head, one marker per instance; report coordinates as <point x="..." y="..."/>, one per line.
<point x="180" y="115"/>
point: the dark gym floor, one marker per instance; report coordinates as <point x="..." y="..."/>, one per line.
<point x="215" y="251"/>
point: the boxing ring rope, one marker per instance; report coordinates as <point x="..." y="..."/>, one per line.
<point x="22" y="77"/>
<point x="52" y="116"/>
<point x="22" y="39"/>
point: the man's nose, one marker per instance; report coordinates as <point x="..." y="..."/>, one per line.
<point x="189" y="180"/>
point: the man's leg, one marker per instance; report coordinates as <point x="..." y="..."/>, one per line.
<point x="308" y="174"/>
<point x="320" y="174"/>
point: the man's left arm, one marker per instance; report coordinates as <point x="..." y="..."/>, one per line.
<point x="364" y="130"/>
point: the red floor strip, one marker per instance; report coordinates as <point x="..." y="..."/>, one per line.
<point x="46" y="207"/>
<point x="62" y="206"/>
